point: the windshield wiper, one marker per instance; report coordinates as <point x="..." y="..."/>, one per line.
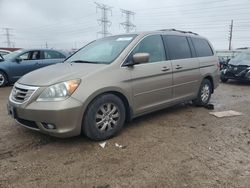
<point x="82" y="61"/>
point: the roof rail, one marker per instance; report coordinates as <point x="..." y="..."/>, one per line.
<point x="190" y="32"/>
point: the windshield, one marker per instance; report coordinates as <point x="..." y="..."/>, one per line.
<point x="103" y="51"/>
<point x="242" y="58"/>
<point x="12" y="54"/>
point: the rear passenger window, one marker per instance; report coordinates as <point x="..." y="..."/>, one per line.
<point x="178" y="47"/>
<point x="52" y="55"/>
<point x="202" y="47"/>
<point x="152" y="45"/>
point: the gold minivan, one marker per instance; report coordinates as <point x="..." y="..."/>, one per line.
<point x="113" y="80"/>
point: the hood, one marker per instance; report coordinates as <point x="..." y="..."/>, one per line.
<point x="59" y="72"/>
<point x="239" y="62"/>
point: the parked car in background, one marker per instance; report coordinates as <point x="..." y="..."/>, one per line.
<point x="238" y="68"/>
<point x="4" y="52"/>
<point x="18" y="63"/>
<point x="225" y="56"/>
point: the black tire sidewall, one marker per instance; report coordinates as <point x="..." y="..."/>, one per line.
<point x="89" y="127"/>
<point x="5" y="79"/>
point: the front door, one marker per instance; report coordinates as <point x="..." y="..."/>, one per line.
<point x="151" y="81"/>
<point x="26" y="63"/>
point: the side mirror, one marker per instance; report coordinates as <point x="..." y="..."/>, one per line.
<point x="18" y="60"/>
<point x="137" y="59"/>
<point x="140" y="58"/>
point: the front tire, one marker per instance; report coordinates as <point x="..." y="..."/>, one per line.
<point x="204" y="94"/>
<point x="104" y="118"/>
<point x="3" y="79"/>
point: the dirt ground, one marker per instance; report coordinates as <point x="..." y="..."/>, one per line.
<point x="182" y="146"/>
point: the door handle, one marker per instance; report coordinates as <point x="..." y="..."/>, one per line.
<point x="165" y="69"/>
<point x="178" y="67"/>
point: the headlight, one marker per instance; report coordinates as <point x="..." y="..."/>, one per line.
<point x="59" y="91"/>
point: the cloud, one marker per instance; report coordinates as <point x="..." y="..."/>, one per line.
<point x="66" y="24"/>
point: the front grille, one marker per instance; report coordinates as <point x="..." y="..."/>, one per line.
<point x="237" y="69"/>
<point x="22" y="93"/>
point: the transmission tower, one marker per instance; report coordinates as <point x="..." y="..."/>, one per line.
<point x="7" y="34"/>
<point x="127" y="25"/>
<point x="103" y="21"/>
<point x="230" y="34"/>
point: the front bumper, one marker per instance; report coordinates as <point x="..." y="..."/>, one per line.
<point x="236" y="75"/>
<point x="65" y="115"/>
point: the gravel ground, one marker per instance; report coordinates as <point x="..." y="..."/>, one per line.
<point x="182" y="146"/>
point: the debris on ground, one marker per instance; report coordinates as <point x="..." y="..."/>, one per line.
<point x="209" y="106"/>
<point x="228" y="113"/>
<point x="103" y="144"/>
<point x="120" y="146"/>
<point x="103" y="186"/>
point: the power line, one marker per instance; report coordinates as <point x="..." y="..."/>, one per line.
<point x="104" y="22"/>
<point x="127" y="25"/>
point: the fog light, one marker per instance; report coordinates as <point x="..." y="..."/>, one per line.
<point x="48" y="126"/>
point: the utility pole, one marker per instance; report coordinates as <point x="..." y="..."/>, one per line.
<point x="7" y="34"/>
<point x="230" y="34"/>
<point x="46" y="45"/>
<point x="103" y="21"/>
<point x="127" y="25"/>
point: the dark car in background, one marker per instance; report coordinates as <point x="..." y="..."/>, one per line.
<point x="237" y="68"/>
<point x="18" y="63"/>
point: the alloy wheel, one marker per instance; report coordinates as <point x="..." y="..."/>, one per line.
<point x="205" y="93"/>
<point x="107" y="117"/>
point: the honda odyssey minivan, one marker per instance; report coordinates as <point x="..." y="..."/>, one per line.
<point x="113" y="80"/>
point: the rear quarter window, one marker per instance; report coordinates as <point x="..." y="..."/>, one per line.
<point x="202" y="47"/>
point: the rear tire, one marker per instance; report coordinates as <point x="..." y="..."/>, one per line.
<point x="104" y="118"/>
<point x="3" y="79"/>
<point x="204" y="94"/>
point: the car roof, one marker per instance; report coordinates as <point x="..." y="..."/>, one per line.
<point x="37" y="49"/>
<point x="164" y="32"/>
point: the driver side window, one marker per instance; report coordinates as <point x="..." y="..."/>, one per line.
<point x="154" y="46"/>
<point x="24" y="56"/>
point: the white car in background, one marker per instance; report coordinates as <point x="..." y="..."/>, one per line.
<point x="4" y="52"/>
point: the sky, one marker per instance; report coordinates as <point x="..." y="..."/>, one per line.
<point x="66" y="24"/>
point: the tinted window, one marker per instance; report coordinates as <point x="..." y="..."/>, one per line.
<point x="178" y="47"/>
<point x="35" y="55"/>
<point x="52" y="55"/>
<point x="202" y="47"/>
<point x="152" y="45"/>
